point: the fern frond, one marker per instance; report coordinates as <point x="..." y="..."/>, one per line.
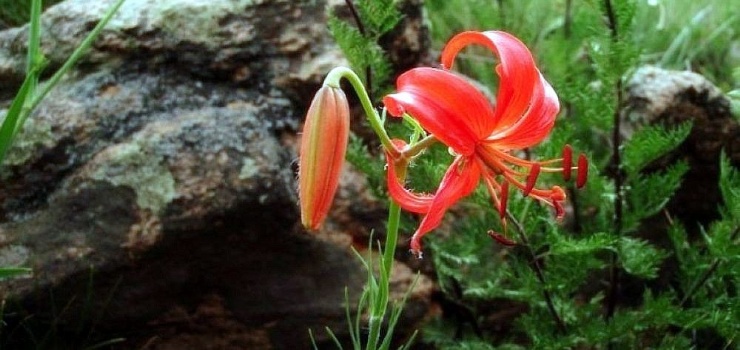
<point x="379" y="16"/>
<point x="650" y="193"/>
<point x="639" y="258"/>
<point x="650" y="143"/>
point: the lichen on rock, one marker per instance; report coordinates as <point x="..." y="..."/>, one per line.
<point x="133" y="165"/>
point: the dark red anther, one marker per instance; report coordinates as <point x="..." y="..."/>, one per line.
<point x="532" y="178"/>
<point x="501" y="239"/>
<point x="582" y="171"/>
<point x="504" y="198"/>
<point x="567" y="162"/>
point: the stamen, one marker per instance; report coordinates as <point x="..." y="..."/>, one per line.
<point x="503" y="155"/>
<point x="504" y="198"/>
<point x="567" y="162"/>
<point x="492" y="186"/>
<point x="532" y="179"/>
<point x="501" y="239"/>
<point x="582" y="171"/>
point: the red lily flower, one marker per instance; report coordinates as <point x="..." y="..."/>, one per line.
<point x="481" y="136"/>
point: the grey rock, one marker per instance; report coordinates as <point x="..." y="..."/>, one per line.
<point x="659" y="96"/>
<point x="157" y="179"/>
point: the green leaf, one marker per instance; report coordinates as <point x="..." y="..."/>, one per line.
<point x="378" y="16"/>
<point x="568" y="245"/>
<point x="8" y="272"/>
<point x="650" y="143"/>
<point x="722" y="238"/>
<point x="639" y="257"/>
<point x="13" y="116"/>
<point x="679" y="238"/>
<point x="361" y="52"/>
<point x="650" y="193"/>
<point x="729" y="185"/>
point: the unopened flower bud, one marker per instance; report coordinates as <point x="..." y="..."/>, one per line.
<point x="323" y="147"/>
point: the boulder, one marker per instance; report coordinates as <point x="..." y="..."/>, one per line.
<point x="666" y="97"/>
<point x="153" y="191"/>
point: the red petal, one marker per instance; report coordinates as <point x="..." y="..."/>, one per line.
<point x="516" y="70"/>
<point x="535" y="125"/>
<point x="409" y="201"/>
<point x="459" y="181"/>
<point x="446" y="105"/>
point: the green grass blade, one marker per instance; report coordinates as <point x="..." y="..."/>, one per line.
<point x="12" y="117"/>
<point x="76" y="55"/>
<point x="313" y="340"/>
<point x="105" y="344"/>
<point x="7" y="272"/>
<point x="334" y="338"/>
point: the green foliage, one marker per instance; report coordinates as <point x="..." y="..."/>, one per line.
<point x="15" y="12"/>
<point x="359" y="43"/>
<point x="639" y="257"/>
<point x="379" y="16"/>
<point x="676" y="279"/>
<point x="650" y="143"/>
<point x="650" y="193"/>
<point x="567" y="245"/>
<point x="364" y="161"/>
<point x="7" y="272"/>
<point x="729" y="185"/>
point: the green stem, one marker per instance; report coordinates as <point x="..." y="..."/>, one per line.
<point x="380" y="307"/>
<point x="391" y="238"/>
<point x="414" y="150"/>
<point x="333" y="78"/>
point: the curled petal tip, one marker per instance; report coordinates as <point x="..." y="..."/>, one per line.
<point x="416" y="247"/>
<point x="394" y="108"/>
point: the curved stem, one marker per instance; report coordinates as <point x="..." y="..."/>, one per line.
<point x="333" y="78"/>
<point x="537" y="267"/>
<point x="416" y="148"/>
<point x="391" y="238"/>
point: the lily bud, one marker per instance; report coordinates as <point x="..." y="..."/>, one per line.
<point x="323" y="147"/>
